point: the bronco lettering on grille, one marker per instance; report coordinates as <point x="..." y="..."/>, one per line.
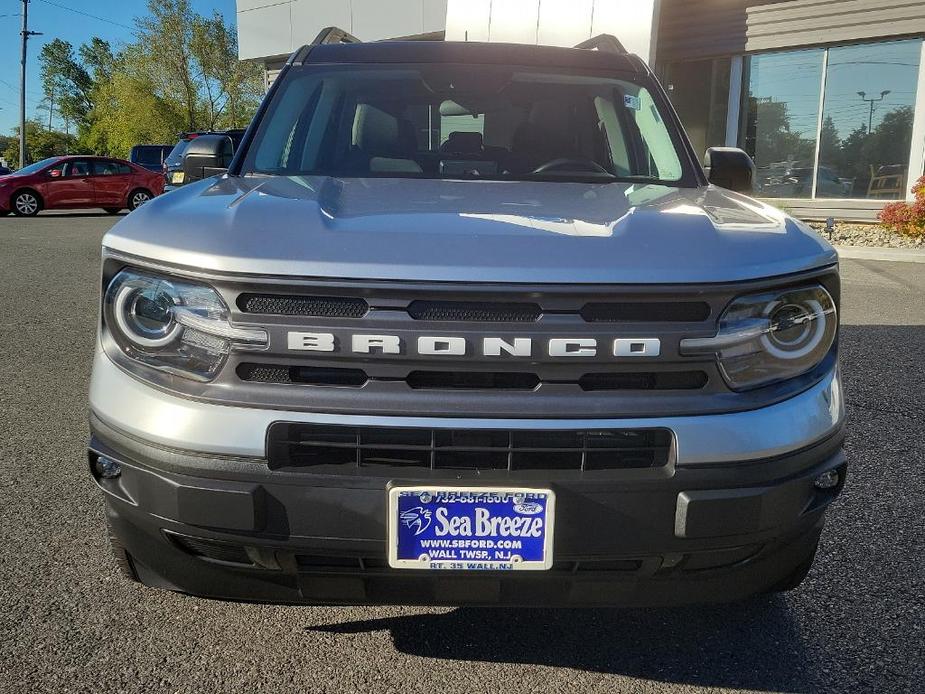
<point x="454" y="346"/>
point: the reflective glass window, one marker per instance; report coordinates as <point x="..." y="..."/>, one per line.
<point x="867" y="120"/>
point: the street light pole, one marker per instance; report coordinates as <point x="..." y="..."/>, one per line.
<point x="872" y="101"/>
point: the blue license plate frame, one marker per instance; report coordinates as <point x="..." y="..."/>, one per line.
<point x="496" y="528"/>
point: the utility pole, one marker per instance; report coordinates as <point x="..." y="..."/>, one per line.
<point x="872" y="101"/>
<point x="22" y="85"/>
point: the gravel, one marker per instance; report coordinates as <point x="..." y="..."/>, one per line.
<point x="867" y="235"/>
<point x="69" y="623"/>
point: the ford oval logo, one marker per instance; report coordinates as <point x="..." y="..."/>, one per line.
<point x="528" y="508"/>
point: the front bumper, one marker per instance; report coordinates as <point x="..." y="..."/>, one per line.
<point x="198" y="510"/>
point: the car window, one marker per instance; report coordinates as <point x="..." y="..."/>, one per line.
<point x="78" y="167"/>
<point x="57" y="171"/>
<point x="103" y="167"/>
<point x="447" y="121"/>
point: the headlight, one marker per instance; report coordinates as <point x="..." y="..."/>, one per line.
<point x="173" y="326"/>
<point x="770" y="337"/>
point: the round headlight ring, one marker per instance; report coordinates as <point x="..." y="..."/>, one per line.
<point x="814" y="318"/>
<point x="125" y="306"/>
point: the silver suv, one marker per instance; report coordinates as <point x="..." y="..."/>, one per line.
<point x="467" y="324"/>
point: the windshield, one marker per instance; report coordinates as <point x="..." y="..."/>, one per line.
<point x="460" y="121"/>
<point x="175" y="158"/>
<point x="37" y="166"/>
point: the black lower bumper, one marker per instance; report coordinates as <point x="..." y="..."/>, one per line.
<point x="234" y="529"/>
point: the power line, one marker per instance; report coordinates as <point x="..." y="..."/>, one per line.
<point x="87" y="14"/>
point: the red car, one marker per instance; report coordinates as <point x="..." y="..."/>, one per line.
<point x="76" y="182"/>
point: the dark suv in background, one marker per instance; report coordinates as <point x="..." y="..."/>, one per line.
<point x="174" y="175"/>
<point x="150" y="157"/>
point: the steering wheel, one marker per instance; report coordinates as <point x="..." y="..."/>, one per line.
<point x="570" y="165"/>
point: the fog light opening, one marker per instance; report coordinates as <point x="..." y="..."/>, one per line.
<point x="827" y="480"/>
<point x="107" y="468"/>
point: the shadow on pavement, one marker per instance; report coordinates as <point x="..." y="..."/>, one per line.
<point x="749" y="645"/>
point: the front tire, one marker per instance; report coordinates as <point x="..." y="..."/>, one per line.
<point x="25" y="203"/>
<point x="138" y="197"/>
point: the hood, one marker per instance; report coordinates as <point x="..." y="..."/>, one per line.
<point x="469" y="231"/>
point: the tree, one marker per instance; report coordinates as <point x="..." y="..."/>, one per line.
<point x="768" y="134"/>
<point x="65" y="81"/>
<point x="232" y="88"/>
<point x="830" y="146"/>
<point x="41" y="143"/>
<point x="181" y="73"/>
<point x="129" y="110"/>
<point x="167" y="36"/>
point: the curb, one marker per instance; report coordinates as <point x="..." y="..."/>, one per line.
<point x="896" y="255"/>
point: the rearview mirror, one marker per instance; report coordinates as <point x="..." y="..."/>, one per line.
<point x="207" y="155"/>
<point x="730" y="167"/>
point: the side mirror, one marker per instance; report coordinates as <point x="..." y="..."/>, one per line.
<point x="730" y="167"/>
<point x="207" y="155"/>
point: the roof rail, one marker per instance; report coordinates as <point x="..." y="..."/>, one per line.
<point x="603" y="42"/>
<point x="334" y="35"/>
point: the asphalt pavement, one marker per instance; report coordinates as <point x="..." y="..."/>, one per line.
<point x="70" y="623"/>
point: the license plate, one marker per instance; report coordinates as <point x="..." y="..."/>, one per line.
<point x="176" y="177"/>
<point x="470" y="528"/>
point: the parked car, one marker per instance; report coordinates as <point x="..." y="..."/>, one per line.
<point x="76" y="182"/>
<point x="151" y="157"/>
<point x="478" y="329"/>
<point x="174" y="175"/>
<point x="796" y="181"/>
<point x="4" y="171"/>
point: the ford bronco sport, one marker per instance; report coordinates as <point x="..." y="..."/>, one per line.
<point x="467" y="324"/>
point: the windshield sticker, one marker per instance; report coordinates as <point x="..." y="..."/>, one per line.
<point x="632" y="102"/>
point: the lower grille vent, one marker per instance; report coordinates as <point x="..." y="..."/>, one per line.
<point x="212" y="549"/>
<point x="298" y="445"/>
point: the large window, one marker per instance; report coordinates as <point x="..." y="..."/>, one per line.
<point x="858" y="146"/>
<point x="699" y="91"/>
<point x="867" y="120"/>
<point x="781" y="117"/>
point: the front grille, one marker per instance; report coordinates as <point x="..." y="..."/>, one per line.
<point x="301" y="445"/>
<point x="293" y="305"/>
<point x="488" y="312"/>
<point x="644" y="380"/>
<point x="646" y="312"/>
<point x="470" y="380"/>
<point x="304" y="375"/>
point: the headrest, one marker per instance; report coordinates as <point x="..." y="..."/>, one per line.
<point x="374" y="130"/>
<point x="460" y="142"/>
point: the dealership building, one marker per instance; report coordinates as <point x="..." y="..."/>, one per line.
<point x="827" y="96"/>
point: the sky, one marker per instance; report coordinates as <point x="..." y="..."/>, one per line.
<point x="112" y="20"/>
